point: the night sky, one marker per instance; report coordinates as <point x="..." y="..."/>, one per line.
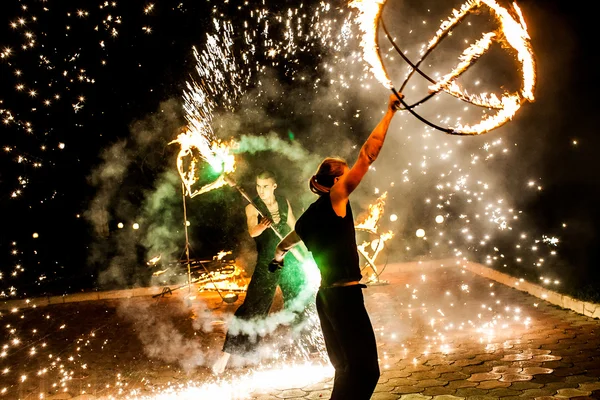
<point x="95" y="74"/>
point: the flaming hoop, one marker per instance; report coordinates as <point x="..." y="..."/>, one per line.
<point x="514" y="31"/>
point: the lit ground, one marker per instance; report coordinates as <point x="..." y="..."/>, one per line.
<point x="441" y="332"/>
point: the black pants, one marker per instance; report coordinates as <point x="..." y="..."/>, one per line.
<point x="350" y="342"/>
<point x="259" y="299"/>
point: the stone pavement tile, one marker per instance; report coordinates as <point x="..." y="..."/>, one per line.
<point x="453" y="376"/>
<point x="318" y="394"/>
<point x="447" y="397"/>
<point x="506" y="369"/>
<point x="486" y="376"/>
<point x="546" y="357"/>
<point x="418" y="368"/>
<point x="535" y="393"/>
<point x="503" y="392"/>
<point x="432" y="362"/>
<point x="560" y="385"/>
<point x="438" y="391"/>
<point x="525" y="385"/>
<point x="480" y="397"/>
<point x="401" y="382"/>
<point x="580" y="379"/>
<point x="515" y="378"/>
<point x="494" y="363"/>
<point x="291" y="394"/>
<point x="527" y="364"/>
<point x="384" y="388"/>
<point x="591" y="386"/>
<point x="575" y="370"/>
<point x="446" y="368"/>
<point x="425" y="383"/>
<point x="407" y="389"/>
<point x="517" y="357"/>
<point x="493" y="385"/>
<point x="552" y="346"/>
<point x="468" y="392"/>
<point x="425" y="375"/>
<point x="266" y="397"/>
<point x="414" y="397"/>
<point x="568" y="393"/>
<point x="536" y="371"/>
<point x="384" y="396"/>
<point x="556" y="364"/>
<point x="475" y="369"/>
<point x="461" y="384"/>
<point x="593" y="372"/>
<point x="393" y="373"/>
<point x="592" y="364"/>
<point x="467" y="362"/>
<point x="486" y="357"/>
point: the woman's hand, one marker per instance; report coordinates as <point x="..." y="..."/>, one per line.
<point x="394" y="104"/>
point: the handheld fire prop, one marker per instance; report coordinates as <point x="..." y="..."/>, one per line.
<point x="512" y="31"/>
<point x="370" y="224"/>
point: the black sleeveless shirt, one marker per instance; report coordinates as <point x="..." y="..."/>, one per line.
<point x="267" y="241"/>
<point x="331" y="240"/>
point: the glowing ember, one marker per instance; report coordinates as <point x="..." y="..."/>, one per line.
<point x="375" y="213"/>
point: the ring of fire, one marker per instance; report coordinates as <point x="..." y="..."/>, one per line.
<point x="515" y="34"/>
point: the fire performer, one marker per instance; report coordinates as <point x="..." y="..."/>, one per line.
<point x="327" y="229"/>
<point x="263" y="284"/>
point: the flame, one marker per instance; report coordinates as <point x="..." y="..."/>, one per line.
<point x="375" y="213"/>
<point x="154" y="260"/>
<point x="223" y="280"/>
<point x="369" y="12"/>
<point x="370" y="224"/>
<point x="450" y="23"/>
<point x="470" y="55"/>
<point x="197" y="147"/>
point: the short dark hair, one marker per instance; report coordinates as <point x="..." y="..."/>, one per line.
<point x="266" y="175"/>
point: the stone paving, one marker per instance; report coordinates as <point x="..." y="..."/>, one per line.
<point x="443" y="333"/>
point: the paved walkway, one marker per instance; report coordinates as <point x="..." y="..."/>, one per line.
<point x="443" y="333"/>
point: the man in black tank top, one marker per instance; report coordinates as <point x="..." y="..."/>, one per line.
<point x="263" y="284"/>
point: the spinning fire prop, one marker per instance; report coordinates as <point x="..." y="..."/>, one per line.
<point x="370" y="225"/>
<point x="513" y="31"/>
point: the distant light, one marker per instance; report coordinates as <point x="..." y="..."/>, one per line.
<point x="420" y="233"/>
<point x="120" y="225"/>
<point x="439" y="219"/>
<point x="187" y="223"/>
<point x="393" y="218"/>
<point x="36" y="235"/>
<point x="136" y="226"/>
<point x="61" y="146"/>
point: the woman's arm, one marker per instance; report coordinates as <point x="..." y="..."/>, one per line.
<point x="286" y="244"/>
<point x="368" y="154"/>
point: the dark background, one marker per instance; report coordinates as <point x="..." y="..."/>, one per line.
<point x="142" y="70"/>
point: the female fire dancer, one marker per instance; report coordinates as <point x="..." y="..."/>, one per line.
<point x="327" y="229"/>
